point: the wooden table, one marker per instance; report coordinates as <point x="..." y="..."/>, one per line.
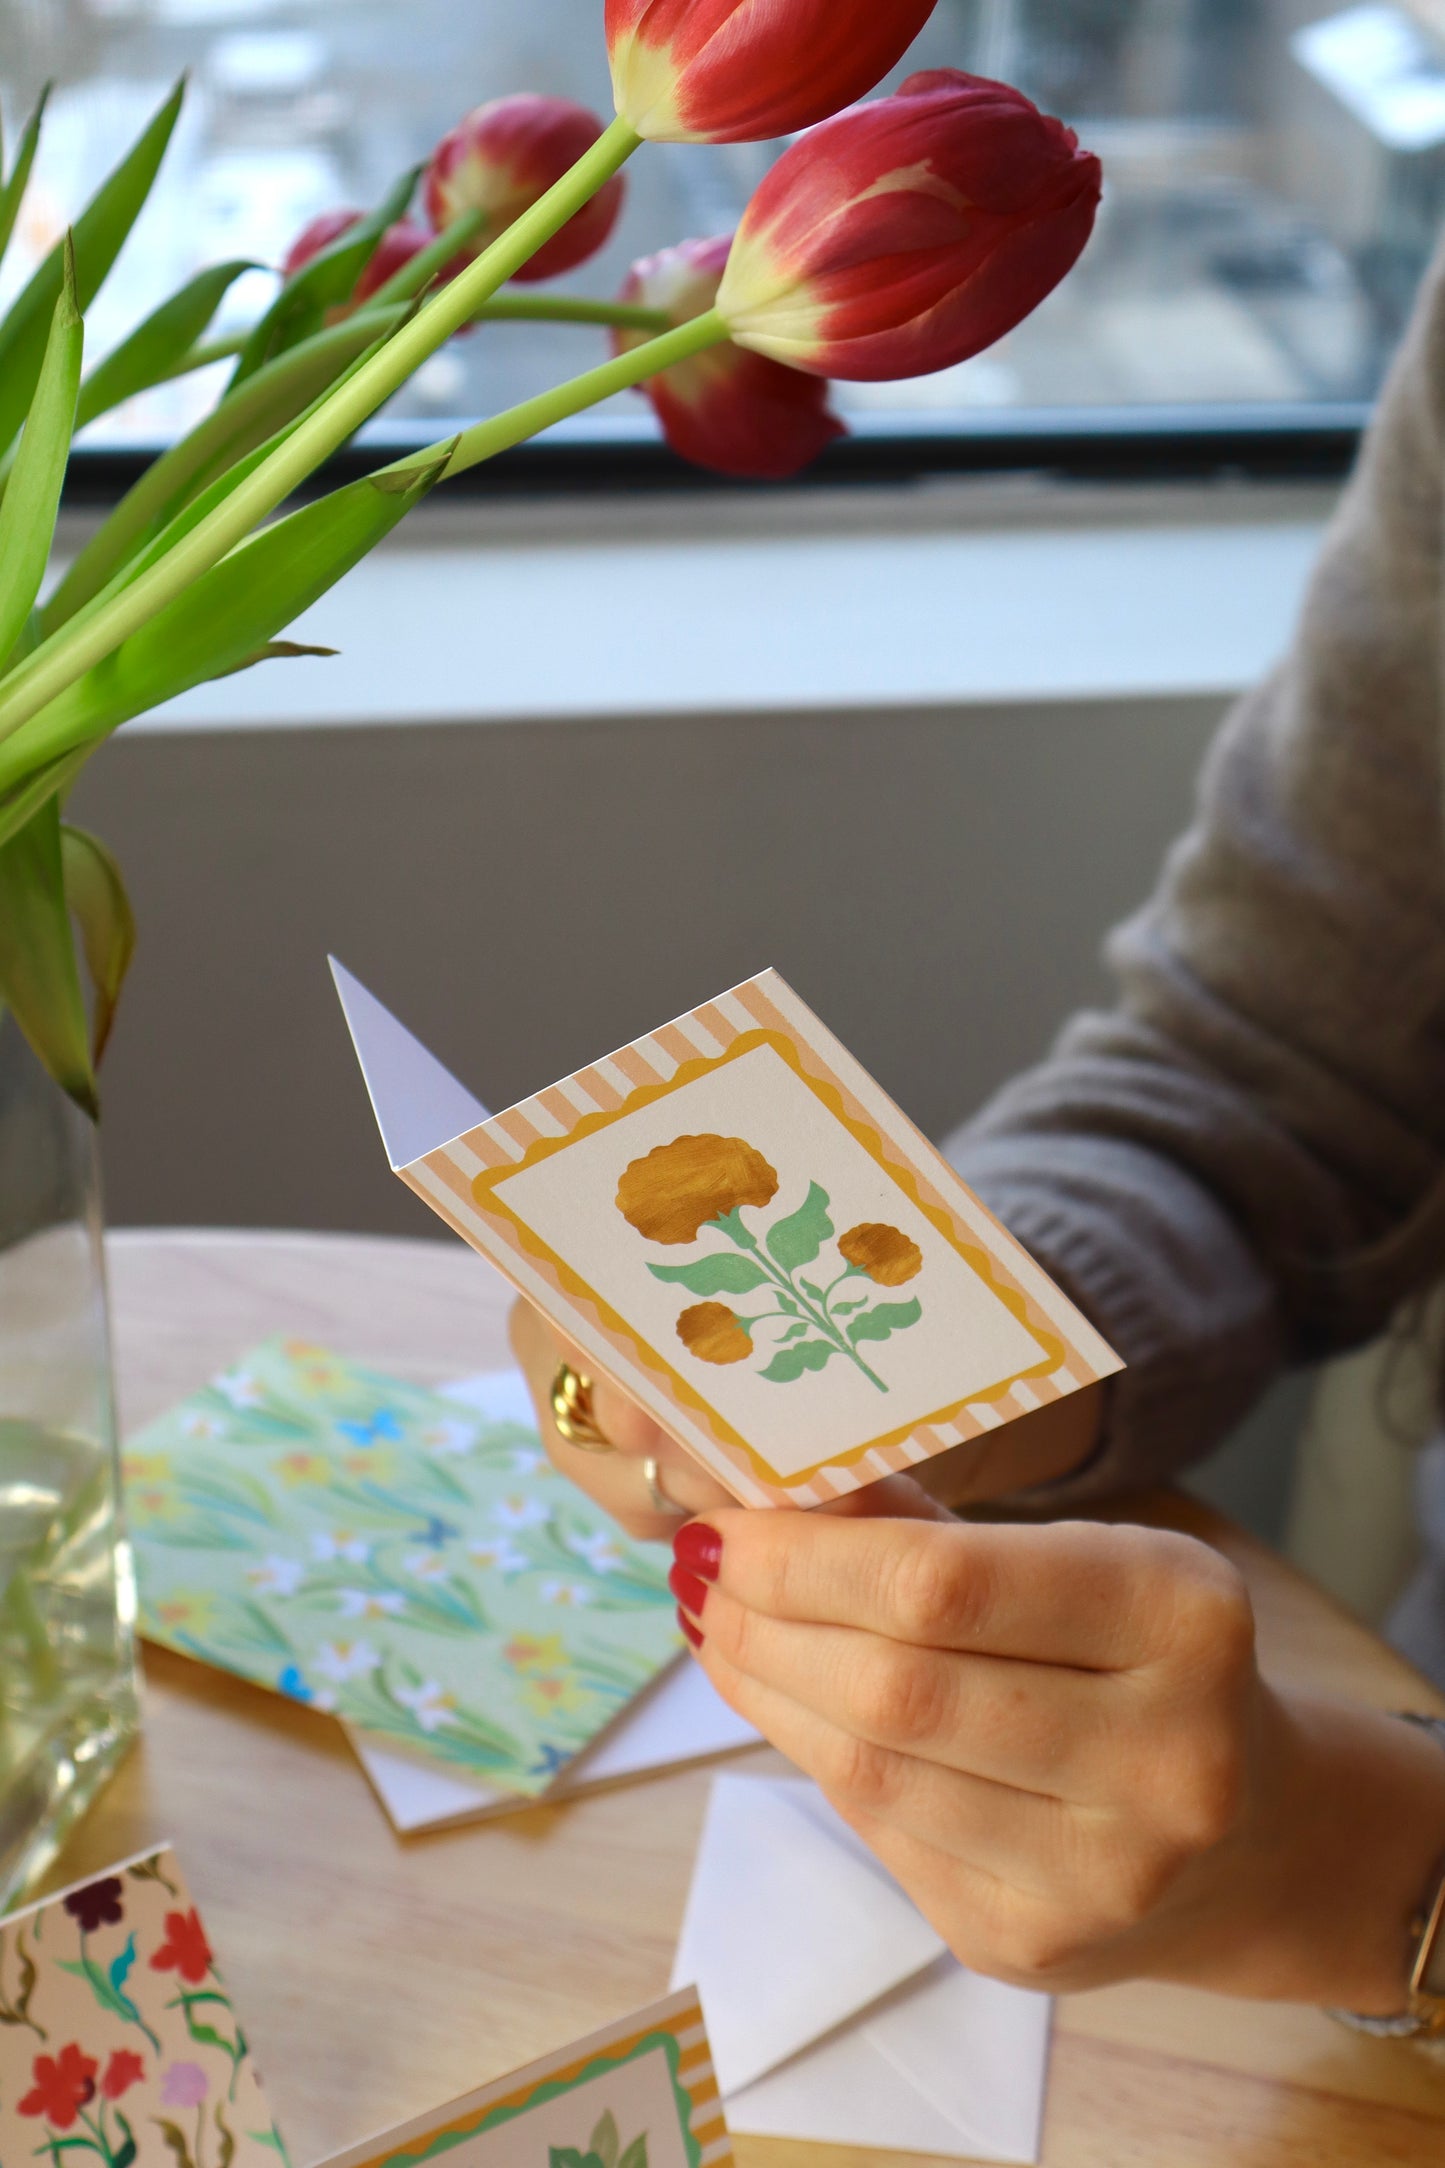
<point x="379" y="1978"/>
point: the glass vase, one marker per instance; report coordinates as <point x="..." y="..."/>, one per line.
<point x="68" y="1699"/>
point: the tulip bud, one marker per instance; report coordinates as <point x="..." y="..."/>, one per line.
<point x="327" y="227"/>
<point x="735" y="412"/>
<point x="506" y="155"/>
<point x="905" y="235"/>
<point x="743" y="71"/>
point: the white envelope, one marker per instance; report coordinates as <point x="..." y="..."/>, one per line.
<point x="678" y="1719"/>
<point x="835" y="2012"/>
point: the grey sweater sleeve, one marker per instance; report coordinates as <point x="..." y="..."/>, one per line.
<point x="1239" y="1166"/>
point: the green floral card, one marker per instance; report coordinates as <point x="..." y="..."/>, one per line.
<point x="389" y="1555"/>
<point x="117" y="2035"/>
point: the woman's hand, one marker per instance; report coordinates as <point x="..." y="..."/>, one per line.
<point x="1058" y="1741"/>
<point x="1033" y="1449"/>
<point x="615" y="1481"/>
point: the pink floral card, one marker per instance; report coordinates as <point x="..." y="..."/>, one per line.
<point x="119" y="2046"/>
<point x="640" y="2094"/>
<point x="741" y="1229"/>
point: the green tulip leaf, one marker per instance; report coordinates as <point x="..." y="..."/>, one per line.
<point x="39" y="975"/>
<point x="605" y="2141"/>
<point x="218" y="453"/>
<point x="157" y="347"/>
<point x="96" y="895"/>
<point x="19" y="806"/>
<point x="725" y="1275"/>
<point x="797" y="1240"/>
<point x="224" y="619"/>
<point x="326" y="282"/>
<point x="884" y="1319"/>
<point x="32" y="496"/>
<point x="636" y="2154"/>
<point x="789" y="1363"/>
<point x="12" y="195"/>
<point x="98" y="235"/>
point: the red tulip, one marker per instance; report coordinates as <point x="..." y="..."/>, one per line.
<point x="735" y="412"/>
<point x="327" y="227"/>
<point x="503" y="157"/>
<point x="742" y="71"/>
<point x="905" y="235"/>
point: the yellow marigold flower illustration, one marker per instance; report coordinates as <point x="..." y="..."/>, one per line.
<point x="680" y="1186"/>
<point x="886" y="1254"/>
<point x="714" y="1333"/>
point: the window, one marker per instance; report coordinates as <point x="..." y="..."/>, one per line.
<point x="1275" y="173"/>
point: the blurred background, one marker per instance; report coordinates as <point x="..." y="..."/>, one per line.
<point x="1275" y="171"/>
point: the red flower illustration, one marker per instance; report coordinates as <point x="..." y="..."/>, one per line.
<point x="63" y="2085"/>
<point x="185" y="1949"/>
<point x="99" y="1904"/>
<point x="124" y="2070"/>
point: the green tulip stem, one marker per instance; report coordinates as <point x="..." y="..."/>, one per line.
<point x="486" y="439"/>
<point x="505" y="309"/>
<point x="414" y="277"/>
<point x="571" y="309"/>
<point x="79" y="646"/>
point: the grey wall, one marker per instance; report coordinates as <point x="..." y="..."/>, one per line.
<point x="528" y="897"/>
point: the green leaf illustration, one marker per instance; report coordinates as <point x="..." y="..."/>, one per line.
<point x="790" y="1362"/>
<point x="636" y="2154"/>
<point x="724" y="1275"/>
<point x="129" y="2149"/>
<point x="109" y="1995"/>
<point x="120" y="1967"/>
<point x="797" y="1239"/>
<point x="884" y="1320"/>
<point x="604" y="2140"/>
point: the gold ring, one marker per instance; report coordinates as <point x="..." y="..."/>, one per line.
<point x="572" y="1412"/>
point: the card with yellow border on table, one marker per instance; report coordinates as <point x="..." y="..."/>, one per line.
<point x="741" y="1229"/>
<point x="641" y="2094"/>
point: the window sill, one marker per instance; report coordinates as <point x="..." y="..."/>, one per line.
<point x="950" y="596"/>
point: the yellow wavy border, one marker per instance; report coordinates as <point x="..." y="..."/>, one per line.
<point x="524" y="2093"/>
<point x="828" y="1091"/>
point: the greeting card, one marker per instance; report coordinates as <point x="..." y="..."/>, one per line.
<point x="408" y="1563"/>
<point x="640" y="2094"/>
<point x="740" y="1228"/>
<point x="118" y="2041"/>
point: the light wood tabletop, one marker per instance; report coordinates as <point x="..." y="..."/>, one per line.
<point x="380" y="1978"/>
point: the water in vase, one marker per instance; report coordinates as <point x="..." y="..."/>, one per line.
<point x="67" y="1664"/>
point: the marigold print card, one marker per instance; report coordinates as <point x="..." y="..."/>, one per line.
<point x="641" y="2094"/>
<point x="387" y="1554"/>
<point x="741" y="1229"/>
<point x="119" y="2047"/>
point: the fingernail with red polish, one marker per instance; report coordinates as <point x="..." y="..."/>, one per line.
<point x="690" y="1592"/>
<point x="694" y="1633"/>
<point x="699" y="1548"/>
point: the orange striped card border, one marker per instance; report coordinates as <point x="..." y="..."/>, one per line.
<point x="461" y="1180"/>
<point x="675" y="2025"/>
